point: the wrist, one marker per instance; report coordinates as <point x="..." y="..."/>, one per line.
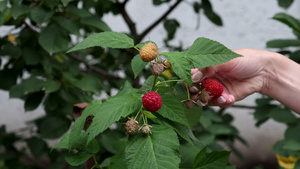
<point x="282" y="80"/>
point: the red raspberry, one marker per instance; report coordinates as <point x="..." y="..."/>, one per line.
<point x="213" y="87"/>
<point x="149" y="52"/>
<point x="131" y="126"/>
<point x="152" y="101"/>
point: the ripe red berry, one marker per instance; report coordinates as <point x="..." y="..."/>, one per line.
<point x="131" y="126"/>
<point x="149" y="52"/>
<point x="152" y="101"/>
<point x="214" y="88"/>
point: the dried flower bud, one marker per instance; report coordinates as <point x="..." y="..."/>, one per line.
<point x="146" y="129"/>
<point x="167" y="64"/>
<point x="157" y="69"/>
<point x="131" y="126"/>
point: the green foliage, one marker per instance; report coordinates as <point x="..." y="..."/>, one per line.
<point x="157" y="150"/>
<point x="105" y="39"/>
<point x="40" y="68"/>
<point x="204" y="52"/>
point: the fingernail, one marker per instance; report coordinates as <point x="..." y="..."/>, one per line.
<point x="230" y="100"/>
<point x="221" y="100"/>
<point x="196" y="77"/>
<point x="194" y="89"/>
<point x="199" y="103"/>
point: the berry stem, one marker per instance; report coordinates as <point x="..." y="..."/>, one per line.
<point x="96" y="163"/>
<point x="138" y="113"/>
<point x="154" y="83"/>
<point x="136" y="48"/>
<point x="167" y="81"/>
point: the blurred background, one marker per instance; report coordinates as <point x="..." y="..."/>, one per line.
<point x="245" y="24"/>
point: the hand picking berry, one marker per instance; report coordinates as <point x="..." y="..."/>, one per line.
<point x="131" y="126"/>
<point x="152" y="101"/>
<point x="214" y="88"/>
<point x="149" y="52"/>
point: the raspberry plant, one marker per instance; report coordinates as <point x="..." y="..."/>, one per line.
<point x="170" y="124"/>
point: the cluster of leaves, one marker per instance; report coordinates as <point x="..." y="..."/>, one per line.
<point x="161" y="149"/>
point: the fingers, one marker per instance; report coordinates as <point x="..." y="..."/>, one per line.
<point x="225" y="100"/>
<point x="197" y="75"/>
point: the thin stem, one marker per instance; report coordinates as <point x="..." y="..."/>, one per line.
<point x="154" y="83"/>
<point x="138" y="112"/>
<point x="136" y="48"/>
<point x="167" y="81"/>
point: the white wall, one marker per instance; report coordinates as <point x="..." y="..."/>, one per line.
<point x="246" y="25"/>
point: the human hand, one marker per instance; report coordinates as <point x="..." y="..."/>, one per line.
<point x="240" y="77"/>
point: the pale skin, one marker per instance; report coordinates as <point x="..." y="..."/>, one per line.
<point x="258" y="71"/>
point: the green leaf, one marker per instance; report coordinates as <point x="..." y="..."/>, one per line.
<point x="188" y="153"/>
<point x="88" y="83"/>
<point x="210" y="14"/>
<point x="78" y="158"/>
<point x="76" y="130"/>
<point x="10" y="76"/>
<point x="3" y="5"/>
<point x="283" y="43"/>
<point x="182" y="130"/>
<point x="63" y="143"/>
<point x="278" y="148"/>
<point x="4" y="16"/>
<point x="193" y="115"/>
<point x="171" y="26"/>
<point x="205" y="52"/>
<point x="292" y="132"/>
<point x="173" y="109"/>
<point x="52" y="86"/>
<point x="37" y="146"/>
<point x="67" y="24"/>
<point x="220" y="129"/>
<point x="215" y="160"/>
<point x="285" y="3"/>
<point x="53" y="39"/>
<point x="105" y="39"/>
<point x="78" y="13"/>
<point x="95" y="22"/>
<point x="137" y="65"/>
<point x="18" y="10"/>
<point x="288" y="20"/>
<point x="33" y="100"/>
<point x="158" y="150"/>
<point x="33" y="84"/>
<point x="65" y="2"/>
<point x="40" y="15"/>
<point x="31" y="56"/>
<point x="292" y="144"/>
<point x="283" y="115"/>
<point x="84" y="154"/>
<point x="180" y="65"/>
<point x="123" y="104"/>
<point x="110" y="138"/>
<point x="11" y="50"/>
<point x="53" y="127"/>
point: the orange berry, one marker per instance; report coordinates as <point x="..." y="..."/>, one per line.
<point x="149" y="52"/>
